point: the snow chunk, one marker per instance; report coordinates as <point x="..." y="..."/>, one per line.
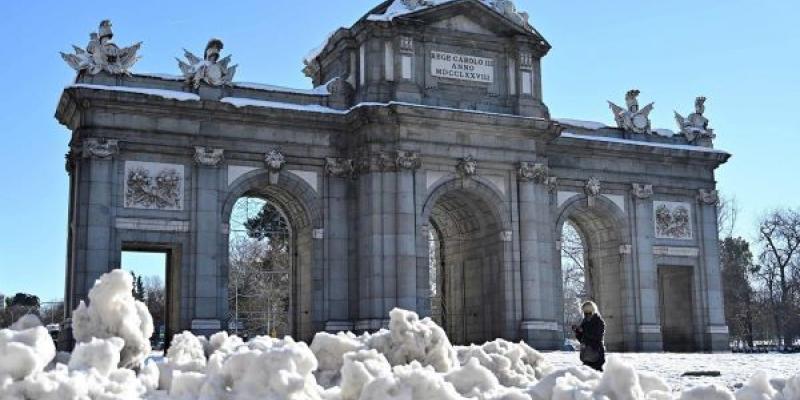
<point x="113" y="312"/>
<point x="27" y="321"/>
<point x="360" y="368"/>
<point x="513" y="364"/>
<point x="100" y="354"/>
<point x="330" y="351"/>
<point x="167" y="94"/>
<point x="272" y="369"/>
<point x="185" y="354"/>
<point x="24" y="352"/>
<point x="710" y="392"/>
<point x="411" y="339"/>
<point x="411" y="381"/>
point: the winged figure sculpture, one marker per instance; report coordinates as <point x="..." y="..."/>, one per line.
<point x="101" y="54"/>
<point x="632" y="119"/>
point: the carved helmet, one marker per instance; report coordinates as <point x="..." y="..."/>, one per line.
<point x="105" y="29"/>
<point x="213" y="48"/>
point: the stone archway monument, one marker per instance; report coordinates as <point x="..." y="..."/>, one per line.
<point x="427" y="120"/>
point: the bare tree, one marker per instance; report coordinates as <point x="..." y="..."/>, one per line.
<point x="155" y="298"/>
<point x="574" y="275"/>
<point x="727" y="214"/>
<point x="779" y="266"/>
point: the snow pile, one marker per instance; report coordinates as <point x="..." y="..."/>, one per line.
<point x="113" y="312"/>
<point x="24" y="350"/>
<point x="413" y="359"/>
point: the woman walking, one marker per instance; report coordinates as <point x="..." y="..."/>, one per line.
<point x="590" y="334"/>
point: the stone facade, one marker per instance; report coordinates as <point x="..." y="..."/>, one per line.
<point x="409" y="130"/>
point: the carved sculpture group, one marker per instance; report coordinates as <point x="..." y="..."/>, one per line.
<point x="636" y="120"/>
<point x="210" y="69"/>
<point x="101" y="54"/>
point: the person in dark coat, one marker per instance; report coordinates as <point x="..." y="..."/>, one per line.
<point x="590" y="334"/>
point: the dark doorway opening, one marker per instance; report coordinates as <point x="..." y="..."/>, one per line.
<point x="675" y="295"/>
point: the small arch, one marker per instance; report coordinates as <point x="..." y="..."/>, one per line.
<point x="603" y="229"/>
<point x="298" y="202"/>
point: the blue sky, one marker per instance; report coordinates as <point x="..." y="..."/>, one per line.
<point x="742" y="55"/>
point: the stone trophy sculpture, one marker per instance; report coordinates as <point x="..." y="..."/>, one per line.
<point x="101" y="54"/>
<point x="632" y="119"/>
<point x="695" y="126"/>
<point x="210" y="69"/>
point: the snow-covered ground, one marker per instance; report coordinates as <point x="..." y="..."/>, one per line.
<point x="413" y="359"/>
<point x="735" y="369"/>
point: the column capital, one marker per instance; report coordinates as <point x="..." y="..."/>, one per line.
<point x="708" y="196"/>
<point x="208" y="156"/>
<point x="100" y="148"/>
<point x="339" y="167"/>
<point x="535" y="172"/>
<point x="408" y="160"/>
<point x="641" y="191"/>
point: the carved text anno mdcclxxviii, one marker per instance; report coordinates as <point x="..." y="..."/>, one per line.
<point x="457" y="66"/>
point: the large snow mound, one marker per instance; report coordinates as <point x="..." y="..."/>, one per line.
<point x="413" y="359"/>
<point x="113" y="312"/>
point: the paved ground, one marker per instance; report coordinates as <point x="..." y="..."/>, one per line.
<point x="735" y="369"/>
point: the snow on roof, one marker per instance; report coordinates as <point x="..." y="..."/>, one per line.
<point x="321" y="90"/>
<point x="167" y="94"/>
<point x="664" y="132"/>
<point x="244" y="102"/>
<point x="399" y="8"/>
<point x="570" y="135"/>
<point x="166" y="77"/>
<point x="591" y="125"/>
<point x="315" y="52"/>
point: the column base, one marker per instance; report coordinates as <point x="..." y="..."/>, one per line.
<point x="650" y="339"/>
<point x="542" y="335"/>
<point x="338" y="326"/>
<point x="206" y="327"/>
<point x="717" y="339"/>
<point x="372" y="324"/>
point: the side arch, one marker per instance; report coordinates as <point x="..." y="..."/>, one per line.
<point x="301" y="205"/>
<point x="604" y="228"/>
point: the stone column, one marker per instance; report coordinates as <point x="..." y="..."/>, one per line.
<point x="405" y="216"/>
<point x="715" y="330"/>
<point x="95" y="228"/>
<point x="648" y="321"/>
<point x="339" y="172"/>
<point x="373" y="246"/>
<point x="209" y="306"/>
<point x="540" y="306"/>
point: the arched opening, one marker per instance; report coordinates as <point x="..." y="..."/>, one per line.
<point x="284" y="281"/>
<point x="466" y="258"/>
<point x="260" y="274"/>
<point x="575" y="278"/>
<point x="594" y="234"/>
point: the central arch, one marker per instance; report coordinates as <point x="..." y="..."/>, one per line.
<point x="467" y="256"/>
<point x="601" y="227"/>
<point x="297" y="205"/>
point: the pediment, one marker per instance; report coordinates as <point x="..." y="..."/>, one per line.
<point x="470" y="16"/>
<point x="462" y="23"/>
